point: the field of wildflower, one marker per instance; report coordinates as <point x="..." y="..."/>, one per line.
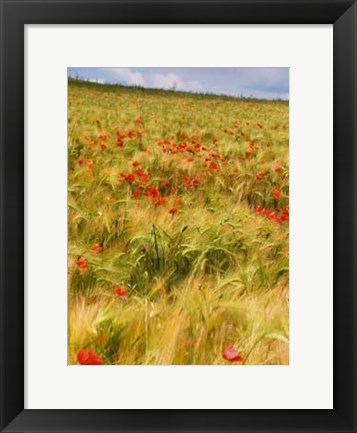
<point x="178" y="228"/>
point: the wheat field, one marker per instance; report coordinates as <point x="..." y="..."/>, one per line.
<point x="178" y="228"/>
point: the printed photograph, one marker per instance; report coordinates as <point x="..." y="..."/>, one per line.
<point x="178" y="216"/>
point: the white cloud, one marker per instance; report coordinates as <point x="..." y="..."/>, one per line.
<point x="97" y="80"/>
<point x="129" y="77"/>
<point x="174" y="82"/>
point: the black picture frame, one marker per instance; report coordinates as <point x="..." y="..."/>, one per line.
<point x="14" y="15"/>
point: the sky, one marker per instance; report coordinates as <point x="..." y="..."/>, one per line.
<point x="266" y="83"/>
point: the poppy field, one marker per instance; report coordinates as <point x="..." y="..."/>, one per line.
<point x="178" y="228"/>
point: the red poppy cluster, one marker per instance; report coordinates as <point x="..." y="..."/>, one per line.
<point x="85" y="162"/>
<point x="102" y="137"/>
<point x="143" y="189"/>
<point x="232" y="132"/>
<point x="282" y="215"/>
<point x="190" y="183"/>
<point x="128" y="177"/>
<point x="193" y="148"/>
<point x="121" y="136"/>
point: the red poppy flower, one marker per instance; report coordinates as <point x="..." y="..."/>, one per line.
<point x="214" y="140"/>
<point x="161" y="201"/>
<point x="86" y="357"/>
<point x="139" y="172"/>
<point x="278" y="169"/>
<point x="248" y="152"/>
<point x="230" y="354"/>
<point x="80" y="161"/>
<point x="130" y="178"/>
<point x="139" y="121"/>
<point x="136" y="163"/>
<point x="270" y="213"/>
<point x="213" y="165"/>
<point x="195" y="181"/>
<point x="97" y="248"/>
<point x="121" y="292"/>
<point x="166" y="183"/>
<point x="89" y="163"/>
<point x="284" y="217"/>
<point x="136" y="194"/>
<point x="82" y="264"/>
<point x="103" y="146"/>
<point x="173" y="191"/>
<point x="173" y="210"/>
<point x="260" y="175"/>
<point x="103" y="137"/>
<point x="186" y="180"/>
<point x="259" y="210"/>
<point x="276" y="195"/>
<point x="153" y="192"/>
